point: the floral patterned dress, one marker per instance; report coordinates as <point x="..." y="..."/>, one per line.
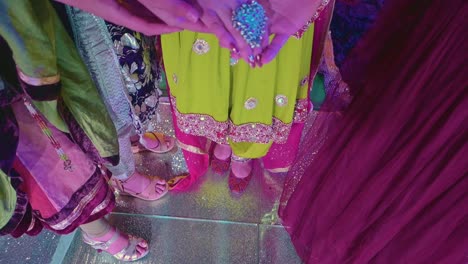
<point x="141" y="71"/>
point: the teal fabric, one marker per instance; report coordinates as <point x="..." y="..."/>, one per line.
<point x="318" y="94"/>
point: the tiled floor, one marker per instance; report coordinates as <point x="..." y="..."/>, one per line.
<point x="204" y="225"/>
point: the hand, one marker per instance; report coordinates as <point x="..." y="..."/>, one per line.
<point x="217" y="18"/>
<point x="285" y="19"/>
<point x="133" y="15"/>
<point x="176" y="13"/>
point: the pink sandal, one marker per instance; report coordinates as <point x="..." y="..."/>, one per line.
<point x="154" y="142"/>
<point x="128" y="253"/>
<point x="148" y="194"/>
<point x="220" y="166"/>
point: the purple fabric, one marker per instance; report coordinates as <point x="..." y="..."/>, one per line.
<point x="351" y="19"/>
<point x="9" y="132"/>
<point x="387" y="181"/>
<point x="77" y="198"/>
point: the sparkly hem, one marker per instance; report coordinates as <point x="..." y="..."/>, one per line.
<point x="191" y="148"/>
<point x="94" y="200"/>
<point x="224" y="132"/>
<point x="279" y="170"/>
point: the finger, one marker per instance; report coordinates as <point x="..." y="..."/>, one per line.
<point x="146" y="23"/>
<point x="273" y="49"/>
<point x="215" y="25"/>
<point x="157" y="29"/>
<point x="245" y="51"/>
<point x="178" y="9"/>
<point x="258" y="51"/>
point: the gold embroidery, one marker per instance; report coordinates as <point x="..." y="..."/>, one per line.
<point x="38" y="81"/>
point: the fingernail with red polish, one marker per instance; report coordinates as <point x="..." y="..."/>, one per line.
<point x="258" y="60"/>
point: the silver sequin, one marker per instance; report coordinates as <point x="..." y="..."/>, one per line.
<point x="251" y="103"/>
<point x="233" y="61"/>
<point x="281" y="100"/>
<point x="201" y="47"/>
<point x="174" y="78"/>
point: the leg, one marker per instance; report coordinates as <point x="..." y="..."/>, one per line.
<point x="130" y="182"/>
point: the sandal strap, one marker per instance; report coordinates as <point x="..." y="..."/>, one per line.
<point x="129" y="253"/>
<point x="158" y="136"/>
<point x="102" y="245"/>
<point x="117" y="185"/>
<point x="239" y="159"/>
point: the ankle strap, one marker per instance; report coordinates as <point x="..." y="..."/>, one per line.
<point x="239" y="159"/>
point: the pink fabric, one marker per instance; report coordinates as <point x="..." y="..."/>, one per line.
<point x="387" y="182"/>
<point x="61" y="199"/>
<point x="37" y="155"/>
<point x="281" y="156"/>
<point x="197" y="164"/>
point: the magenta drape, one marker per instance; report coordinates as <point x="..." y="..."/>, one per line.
<point x="385" y="181"/>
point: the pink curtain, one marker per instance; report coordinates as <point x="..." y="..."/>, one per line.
<point x="385" y="181"/>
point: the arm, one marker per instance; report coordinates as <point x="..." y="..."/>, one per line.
<point x="147" y="17"/>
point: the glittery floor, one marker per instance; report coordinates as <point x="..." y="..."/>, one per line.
<point x="204" y="225"/>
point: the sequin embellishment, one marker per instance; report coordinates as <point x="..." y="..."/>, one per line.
<point x="174" y="78"/>
<point x="251" y="103"/>
<point x="219" y="132"/>
<point x="201" y="47"/>
<point x="281" y="100"/>
<point x="233" y="61"/>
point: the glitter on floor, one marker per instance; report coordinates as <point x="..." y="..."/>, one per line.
<point x="203" y="225"/>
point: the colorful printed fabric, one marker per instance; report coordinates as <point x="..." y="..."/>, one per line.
<point x="137" y="57"/>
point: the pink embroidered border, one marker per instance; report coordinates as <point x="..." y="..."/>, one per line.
<point x="316" y="15"/>
<point x="219" y="132"/>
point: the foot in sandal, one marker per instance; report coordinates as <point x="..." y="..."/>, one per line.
<point x="141" y="186"/>
<point x="121" y="246"/>
<point x="154" y="142"/>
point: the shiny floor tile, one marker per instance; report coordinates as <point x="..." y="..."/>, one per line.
<point x="180" y="241"/>
<point x="210" y="198"/>
<point x="26" y="249"/>
<point x="276" y="247"/>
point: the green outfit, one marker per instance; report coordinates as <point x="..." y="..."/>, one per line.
<point x="7" y="199"/>
<point x="248" y="108"/>
<point x="50" y="70"/>
<point x="43" y="53"/>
